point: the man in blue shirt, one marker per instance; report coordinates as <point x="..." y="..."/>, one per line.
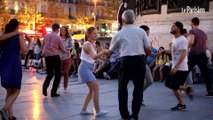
<point x="150" y="59"/>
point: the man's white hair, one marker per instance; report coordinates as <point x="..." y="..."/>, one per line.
<point x="128" y="16"/>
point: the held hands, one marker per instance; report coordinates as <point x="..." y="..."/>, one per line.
<point x="106" y="51"/>
<point x="67" y="52"/>
<point x="173" y="70"/>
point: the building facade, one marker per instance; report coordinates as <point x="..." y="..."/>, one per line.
<point x="159" y="15"/>
<point x="45" y="12"/>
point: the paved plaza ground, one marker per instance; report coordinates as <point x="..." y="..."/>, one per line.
<point x="32" y="105"/>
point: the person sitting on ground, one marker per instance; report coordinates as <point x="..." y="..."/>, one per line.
<point x="112" y="66"/>
<point x="167" y="67"/>
<point x="37" y="62"/>
<point x="100" y="63"/>
<point x="75" y="57"/>
<point x="160" y="61"/>
<point x="30" y="53"/>
<point x="151" y="59"/>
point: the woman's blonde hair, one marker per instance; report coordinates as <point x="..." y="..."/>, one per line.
<point x="89" y="31"/>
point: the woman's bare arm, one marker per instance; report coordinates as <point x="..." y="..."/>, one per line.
<point x="8" y="35"/>
<point x="24" y="49"/>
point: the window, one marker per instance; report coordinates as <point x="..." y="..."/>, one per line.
<point x="53" y="0"/>
<point x="43" y="9"/>
<point x="70" y="12"/>
<point x="16" y="7"/>
<point x="71" y="1"/>
<point x="63" y="1"/>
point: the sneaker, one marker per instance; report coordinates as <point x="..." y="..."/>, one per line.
<point x="65" y="90"/>
<point x="210" y="94"/>
<point x="179" y="107"/>
<point x="132" y="119"/>
<point x="55" y="95"/>
<point x="101" y="113"/>
<point x="142" y="104"/>
<point x="86" y="112"/>
<point x="106" y="76"/>
<point x="189" y="92"/>
<point x="44" y="90"/>
<point x="124" y="119"/>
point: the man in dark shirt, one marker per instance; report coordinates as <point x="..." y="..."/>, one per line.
<point x="197" y="54"/>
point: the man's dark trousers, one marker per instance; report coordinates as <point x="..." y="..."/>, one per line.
<point x="53" y="64"/>
<point x="132" y="68"/>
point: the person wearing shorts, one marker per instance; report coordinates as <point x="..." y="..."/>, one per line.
<point x="85" y="72"/>
<point x="178" y="73"/>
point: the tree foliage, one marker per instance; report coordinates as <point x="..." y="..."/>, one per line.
<point x="55" y="13"/>
<point x="4" y="13"/>
<point x="28" y="14"/>
<point x="82" y="17"/>
<point x="111" y="9"/>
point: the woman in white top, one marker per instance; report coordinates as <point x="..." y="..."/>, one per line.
<point x="65" y="58"/>
<point x="37" y="49"/>
<point x="85" y="72"/>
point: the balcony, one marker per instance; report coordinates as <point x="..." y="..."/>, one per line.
<point x="154" y="6"/>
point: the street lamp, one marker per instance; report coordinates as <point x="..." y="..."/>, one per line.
<point x="95" y="12"/>
<point x="35" y="20"/>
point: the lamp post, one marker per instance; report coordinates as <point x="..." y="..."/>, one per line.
<point x="35" y="19"/>
<point x="95" y="12"/>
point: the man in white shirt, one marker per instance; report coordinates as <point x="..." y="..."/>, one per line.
<point x="133" y="44"/>
<point x="179" y="69"/>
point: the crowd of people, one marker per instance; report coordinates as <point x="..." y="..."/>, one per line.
<point x="129" y="56"/>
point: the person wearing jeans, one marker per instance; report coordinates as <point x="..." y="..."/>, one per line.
<point x="148" y="75"/>
<point x="52" y="47"/>
<point x="132" y="42"/>
<point x="66" y="58"/>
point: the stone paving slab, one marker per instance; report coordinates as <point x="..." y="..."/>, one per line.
<point x="32" y="105"/>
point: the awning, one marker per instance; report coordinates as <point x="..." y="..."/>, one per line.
<point x="78" y="36"/>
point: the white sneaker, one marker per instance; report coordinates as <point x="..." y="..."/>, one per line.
<point x="106" y="76"/>
<point x="65" y="90"/>
<point x="100" y="113"/>
<point x="86" y="112"/>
